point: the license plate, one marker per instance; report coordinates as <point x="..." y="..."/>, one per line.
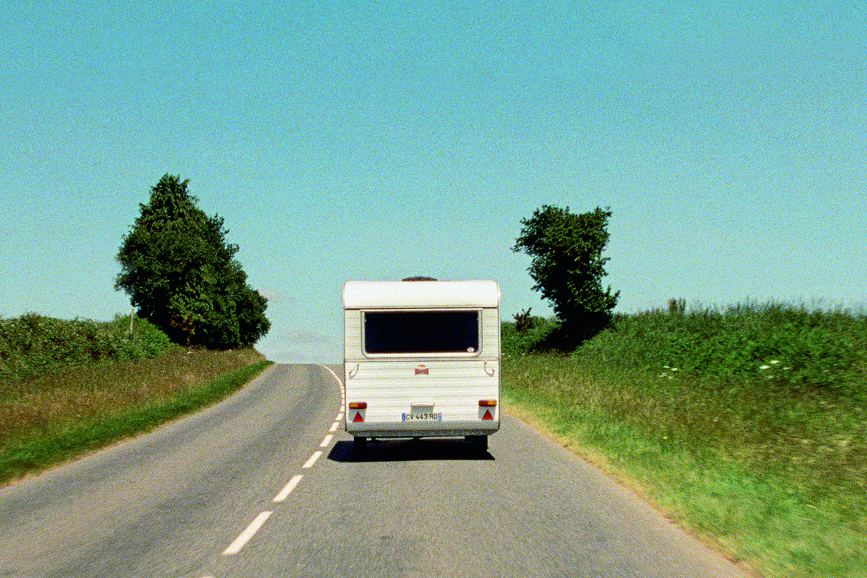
<point x="425" y="416"/>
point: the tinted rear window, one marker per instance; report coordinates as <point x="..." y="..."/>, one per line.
<point x="421" y="332"/>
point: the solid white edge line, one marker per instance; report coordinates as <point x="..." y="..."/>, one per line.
<point x="245" y="536"/>
<point x="334" y="426"/>
<point x="312" y="460"/>
<point x="326" y="441"/>
<point x="287" y="489"/>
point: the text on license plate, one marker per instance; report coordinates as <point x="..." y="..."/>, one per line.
<point x="426" y="416"/>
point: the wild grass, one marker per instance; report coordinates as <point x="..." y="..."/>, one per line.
<point x="77" y="402"/>
<point x="746" y="424"/>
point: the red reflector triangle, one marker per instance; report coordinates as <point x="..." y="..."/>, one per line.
<point x="357" y="418"/>
<point x="488" y="415"/>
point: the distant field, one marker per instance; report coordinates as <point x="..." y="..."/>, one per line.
<point x="68" y="387"/>
<point x="746" y="424"/>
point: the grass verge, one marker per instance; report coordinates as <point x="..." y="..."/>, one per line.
<point x="62" y="416"/>
<point x="774" y="478"/>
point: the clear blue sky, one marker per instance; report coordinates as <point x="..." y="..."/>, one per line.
<point x="375" y="140"/>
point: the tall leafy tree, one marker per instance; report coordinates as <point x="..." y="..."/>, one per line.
<point x="568" y="266"/>
<point x="182" y="276"/>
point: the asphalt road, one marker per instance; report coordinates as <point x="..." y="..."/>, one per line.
<point x="255" y="487"/>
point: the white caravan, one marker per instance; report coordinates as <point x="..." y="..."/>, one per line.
<point x="422" y="359"/>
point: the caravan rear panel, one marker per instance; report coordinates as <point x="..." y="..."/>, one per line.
<point x="422" y="358"/>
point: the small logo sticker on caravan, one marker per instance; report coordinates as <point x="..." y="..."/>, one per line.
<point x="421" y="370"/>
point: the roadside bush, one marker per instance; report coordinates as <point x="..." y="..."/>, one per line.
<point x="34" y="345"/>
<point x="537" y="333"/>
<point x="775" y="343"/>
<point x="146" y="340"/>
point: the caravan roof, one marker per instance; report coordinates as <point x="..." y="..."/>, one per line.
<point x="420" y="294"/>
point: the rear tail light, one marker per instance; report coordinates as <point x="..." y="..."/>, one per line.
<point x="358" y="406"/>
<point x="487" y="403"/>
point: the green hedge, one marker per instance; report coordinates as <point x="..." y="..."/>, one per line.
<point x="774" y="344"/>
<point x="33" y="345"/>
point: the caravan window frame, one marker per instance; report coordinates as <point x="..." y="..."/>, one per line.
<point x="425" y="354"/>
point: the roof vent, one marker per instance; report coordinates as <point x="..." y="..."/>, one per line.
<point x="419" y="278"/>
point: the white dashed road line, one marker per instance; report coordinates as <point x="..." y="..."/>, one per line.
<point x="260" y="520"/>
<point x="312" y="460"/>
<point x="245" y="536"/>
<point x="332" y="373"/>
<point x="284" y="493"/>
